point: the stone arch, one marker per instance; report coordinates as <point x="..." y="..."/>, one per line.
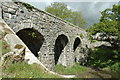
<point x="76" y="44"/>
<point x="32" y="38"/>
<point x="60" y="43"/>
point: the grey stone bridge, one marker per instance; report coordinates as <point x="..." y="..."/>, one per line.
<point x="51" y="39"/>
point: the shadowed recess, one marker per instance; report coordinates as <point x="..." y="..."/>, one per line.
<point x="60" y="44"/>
<point x="32" y="38"/>
<point x="76" y="43"/>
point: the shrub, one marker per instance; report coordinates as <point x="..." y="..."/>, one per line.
<point x="101" y="58"/>
<point x="115" y="67"/>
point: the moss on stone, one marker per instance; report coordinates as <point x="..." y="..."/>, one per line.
<point x="81" y="35"/>
<point x="28" y="6"/>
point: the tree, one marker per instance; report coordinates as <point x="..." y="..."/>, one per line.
<point x="78" y="19"/>
<point x="109" y="24"/>
<point x="61" y="10"/>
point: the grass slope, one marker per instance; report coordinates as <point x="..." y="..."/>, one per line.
<point x="4" y="47"/>
<point x="24" y="70"/>
<point x="75" y="69"/>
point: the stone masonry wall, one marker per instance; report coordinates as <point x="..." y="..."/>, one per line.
<point x="19" y="15"/>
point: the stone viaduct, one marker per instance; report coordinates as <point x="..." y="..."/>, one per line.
<point x="51" y="39"/>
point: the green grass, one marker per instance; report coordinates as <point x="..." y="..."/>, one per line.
<point x="24" y="70"/>
<point x="4" y="47"/>
<point x="75" y="69"/>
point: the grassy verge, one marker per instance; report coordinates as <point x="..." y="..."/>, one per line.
<point x="24" y="70"/>
<point x="75" y="69"/>
<point x="4" y="47"/>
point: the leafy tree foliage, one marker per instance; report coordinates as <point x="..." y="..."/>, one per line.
<point x="61" y="10"/>
<point x="109" y="23"/>
<point x="78" y="19"/>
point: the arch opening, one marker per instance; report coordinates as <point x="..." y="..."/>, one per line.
<point x="60" y="44"/>
<point x="32" y="38"/>
<point x="76" y="43"/>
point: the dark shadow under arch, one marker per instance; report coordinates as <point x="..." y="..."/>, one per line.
<point x="60" y="43"/>
<point x="32" y="38"/>
<point x="76" y="43"/>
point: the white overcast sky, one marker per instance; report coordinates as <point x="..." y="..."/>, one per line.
<point x="89" y="8"/>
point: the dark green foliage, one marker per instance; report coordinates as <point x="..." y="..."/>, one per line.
<point x="61" y="10"/>
<point x="115" y="67"/>
<point x="104" y="57"/>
